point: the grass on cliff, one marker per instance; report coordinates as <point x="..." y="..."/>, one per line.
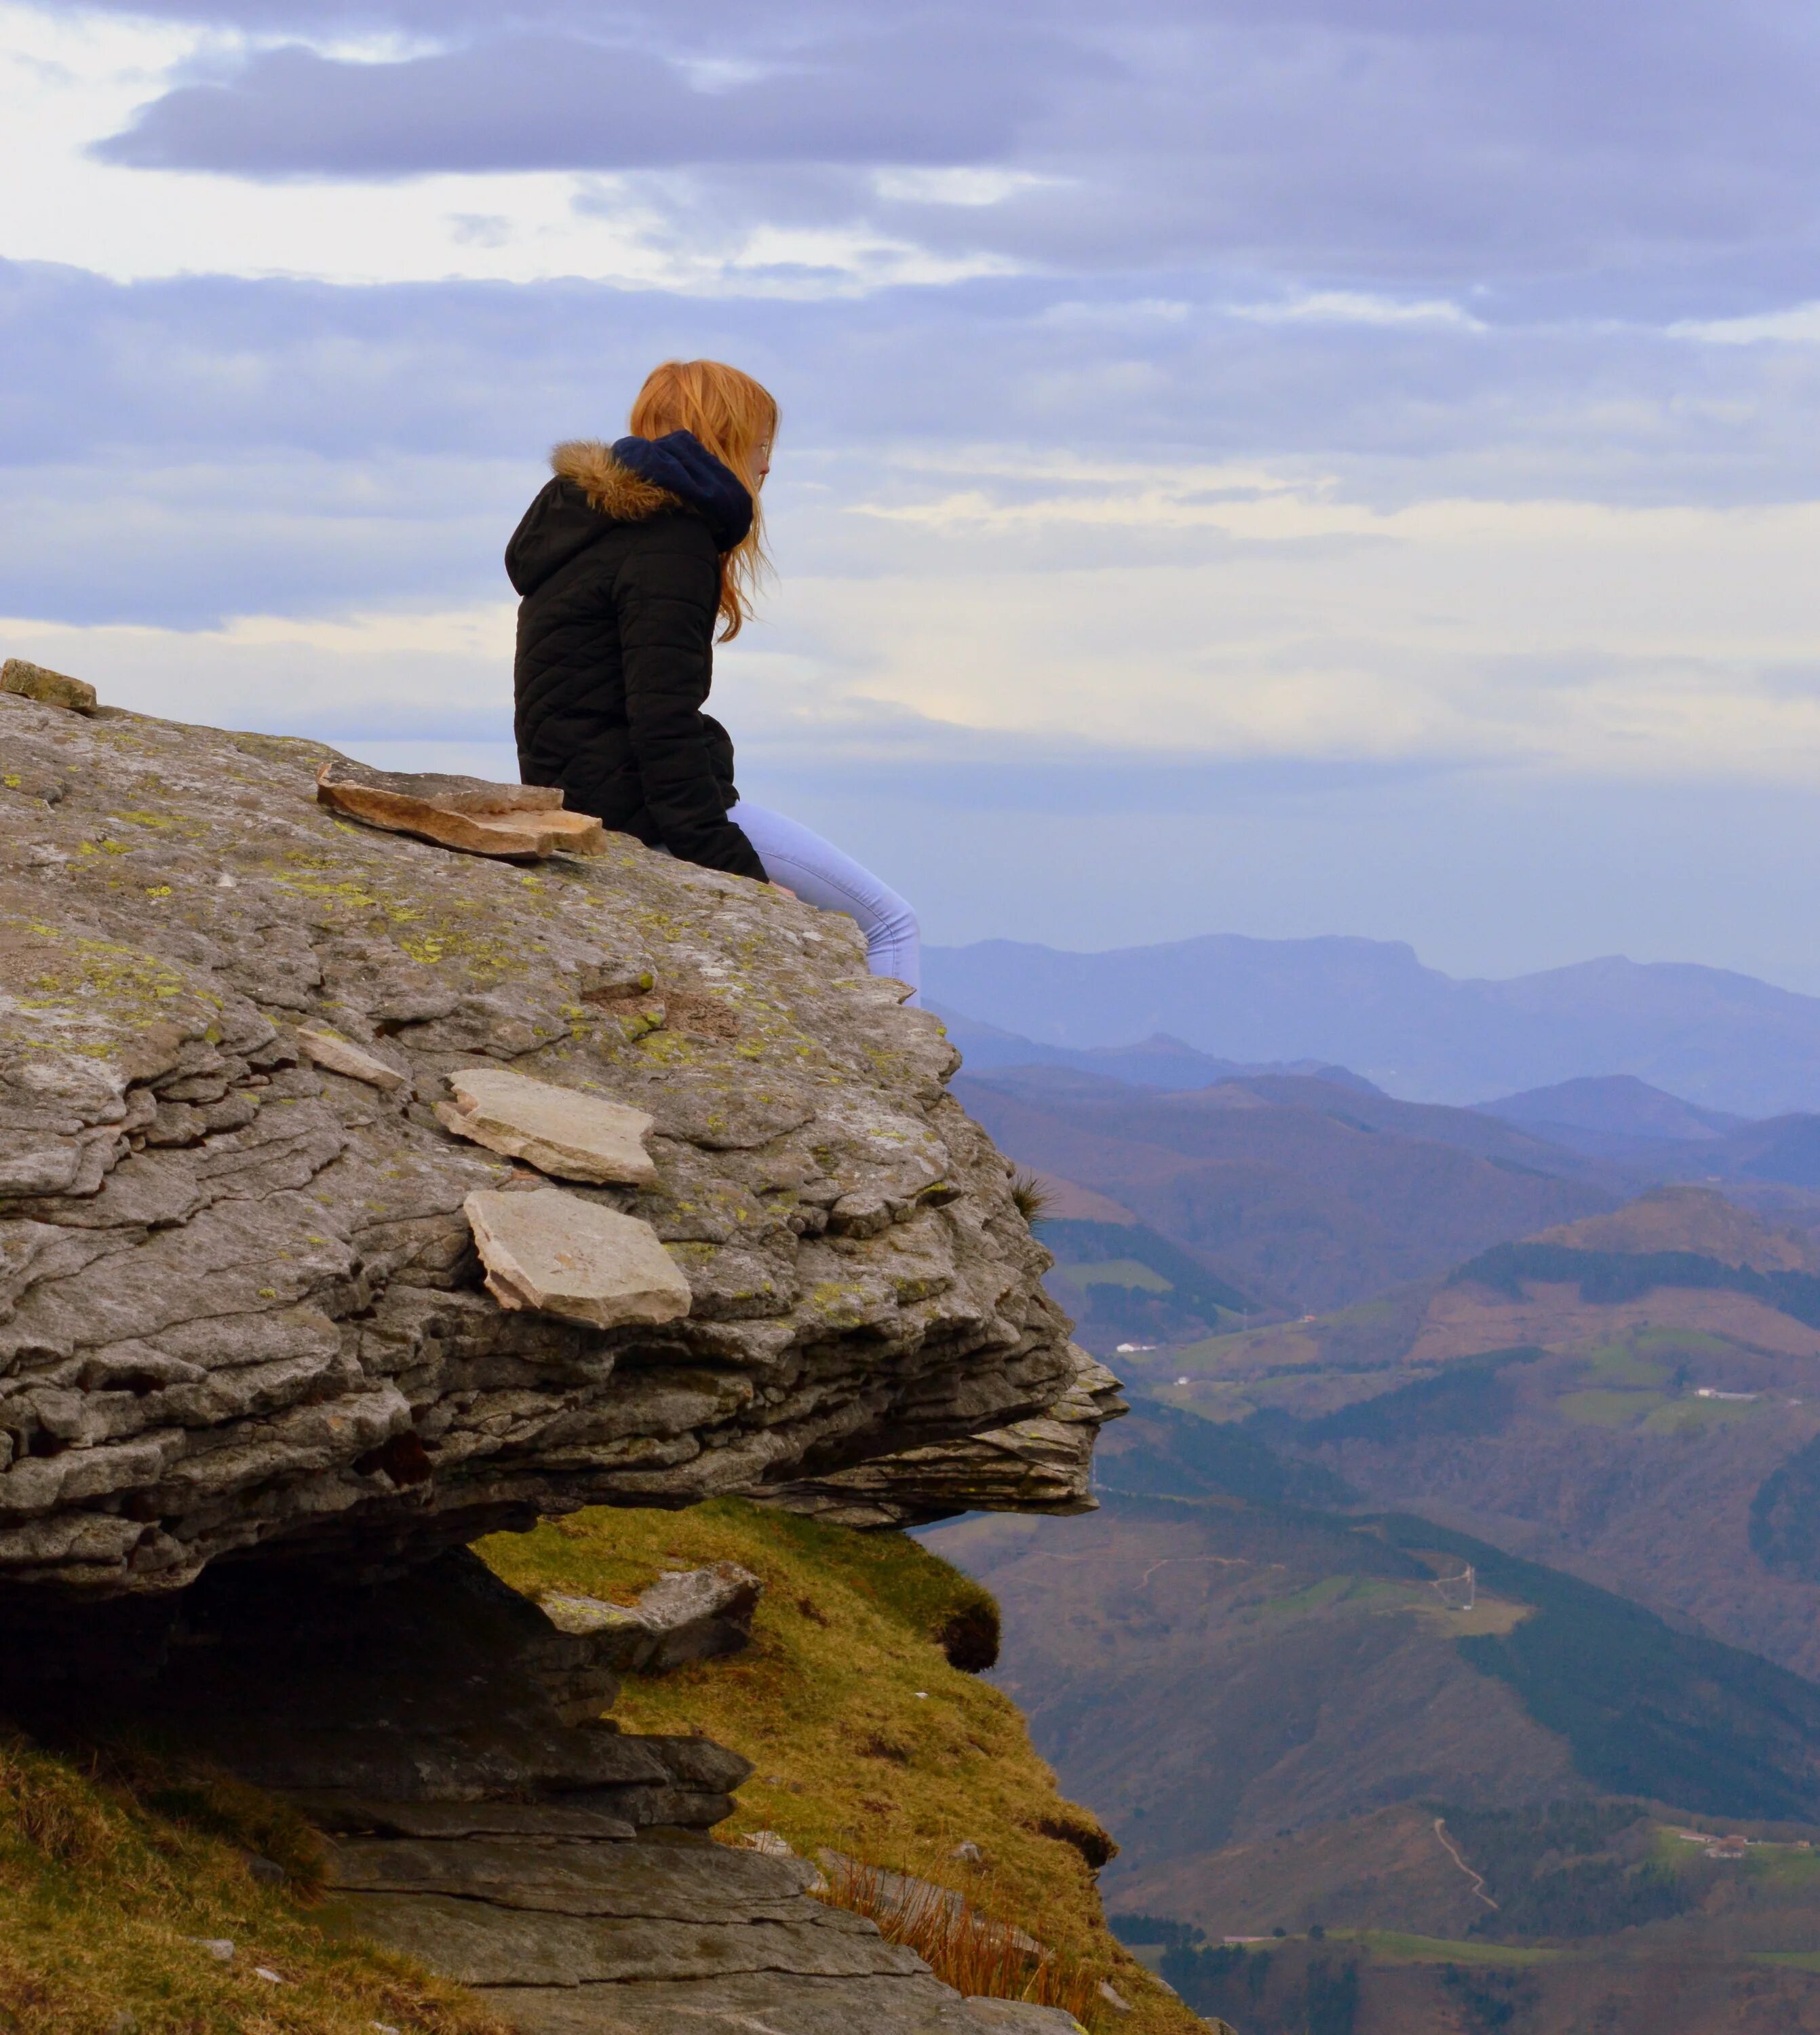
<point x="110" y="1865"/>
<point x="867" y="1742"/>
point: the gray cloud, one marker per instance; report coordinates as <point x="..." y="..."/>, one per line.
<point x="935" y="93"/>
<point x="1549" y="159"/>
<point x="201" y="371"/>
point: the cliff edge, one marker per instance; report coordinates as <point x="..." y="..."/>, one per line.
<point x="241" y="1306"/>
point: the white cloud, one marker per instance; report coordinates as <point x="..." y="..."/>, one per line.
<point x="69" y="78"/>
<point x="1287" y="620"/>
<point x="1358" y="307"/>
<point x="1799" y="324"/>
<point x="1236" y="613"/>
<point x="447" y="671"/>
<point x="959" y="185"/>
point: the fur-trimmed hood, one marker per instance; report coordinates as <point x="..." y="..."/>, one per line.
<point x="598" y="486"/>
<point x="612" y="488"/>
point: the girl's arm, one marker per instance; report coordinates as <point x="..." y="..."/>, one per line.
<point x="666" y="593"/>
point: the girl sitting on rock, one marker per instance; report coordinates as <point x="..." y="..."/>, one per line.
<point x="625" y="561"/>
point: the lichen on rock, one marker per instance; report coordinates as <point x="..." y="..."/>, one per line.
<point x="239" y="1304"/>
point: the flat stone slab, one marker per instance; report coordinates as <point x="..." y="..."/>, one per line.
<point x="563" y="1256"/>
<point x="1024" y="2017"/>
<point x="591" y="1615"/>
<point x="696" y="1616"/>
<point x="477" y="1944"/>
<point x="51" y="688"/>
<point x="469" y="814"/>
<point x="551" y="1822"/>
<point x="674" y="1882"/>
<point x="397" y="1764"/>
<point x="342" y="1056"/>
<point x="776" y="2003"/>
<point x="559" y="1131"/>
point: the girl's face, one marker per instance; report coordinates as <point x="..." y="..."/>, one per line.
<point x="764" y="460"/>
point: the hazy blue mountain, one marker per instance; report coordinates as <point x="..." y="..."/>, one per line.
<point x="1159" y="1061"/>
<point x="1299" y="1194"/>
<point x="1723" y="1041"/>
<point x="1652" y="1135"/>
<point x="1611" y="1115"/>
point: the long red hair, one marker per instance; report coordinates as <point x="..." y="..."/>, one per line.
<point x="736" y="419"/>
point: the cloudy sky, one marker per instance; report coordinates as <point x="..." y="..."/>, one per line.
<point x="1271" y="466"/>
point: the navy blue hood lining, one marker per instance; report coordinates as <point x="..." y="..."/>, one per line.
<point x="682" y="466"/>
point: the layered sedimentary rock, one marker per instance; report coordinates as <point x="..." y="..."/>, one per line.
<point x="524" y="821"/>
<point x="482" y="1815"/>
<point x="240" y="1305"/>
<point x="1044" y="1463"/>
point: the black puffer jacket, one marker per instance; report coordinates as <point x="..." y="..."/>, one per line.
<point x="618" y="561"/>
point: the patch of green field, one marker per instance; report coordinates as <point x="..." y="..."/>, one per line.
<point x="1671" y="1853"/>
<point x="1781" y="1868"/>
<point x="1490" y="1616"/>
<point x="1610" y="1409"/>
<point x="1695" y="1416"/>
<point x="1682" y="1342"/>
<point x="1210" y="1399"/>
<point x="1218" y="1353"/>
<point x="1618" y="1366"/>
<point x="1807" y="1961"/>
<point x="1317" y="1597"/>
<point x="1379" y="1593"/>
<point x="1117" y="1272"/>
<point x="1674" y="1855"/>
<point x="1393" y="1946"/>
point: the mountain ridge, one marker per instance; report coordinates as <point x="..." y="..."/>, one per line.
<point x="1720" y="1039"/>
<point x="1298" y="1192"/>
<point x="1628" y="1398"/>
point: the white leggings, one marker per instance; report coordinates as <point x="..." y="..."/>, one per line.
<point x="820" y="875"/>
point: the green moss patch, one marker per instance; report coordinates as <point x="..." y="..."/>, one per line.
<point x="867" y="1740"/>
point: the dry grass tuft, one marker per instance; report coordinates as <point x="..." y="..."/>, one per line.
<point x="205" y="1799"/>
<point x="965" y="1948"/>
<point x="55" y="1810"/>
<point x="1030" y="1194"/>
<point x="115" y="1860"/>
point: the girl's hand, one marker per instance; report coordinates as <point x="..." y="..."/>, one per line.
<point x="784" y="887"/>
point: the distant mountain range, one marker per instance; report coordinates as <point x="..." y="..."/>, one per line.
<point x="1630" y="1397"/>
<point x="1726" y="1042"/>
<point x="1610" y="1105"/>
<point x="1299" y="1193"/>
<point x="1157" y="1061"/>
<point x="1465" y="1618"/>
<point x="1292" y="1192"/>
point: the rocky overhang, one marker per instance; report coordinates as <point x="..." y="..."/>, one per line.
<point x="240" y="1306"/>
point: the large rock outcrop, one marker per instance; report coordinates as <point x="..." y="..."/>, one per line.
<point x="240" y="1305"/>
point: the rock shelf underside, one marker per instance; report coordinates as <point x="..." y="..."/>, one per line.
<point x="481" y="1816"/>
<point x="240" y="1306"/>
